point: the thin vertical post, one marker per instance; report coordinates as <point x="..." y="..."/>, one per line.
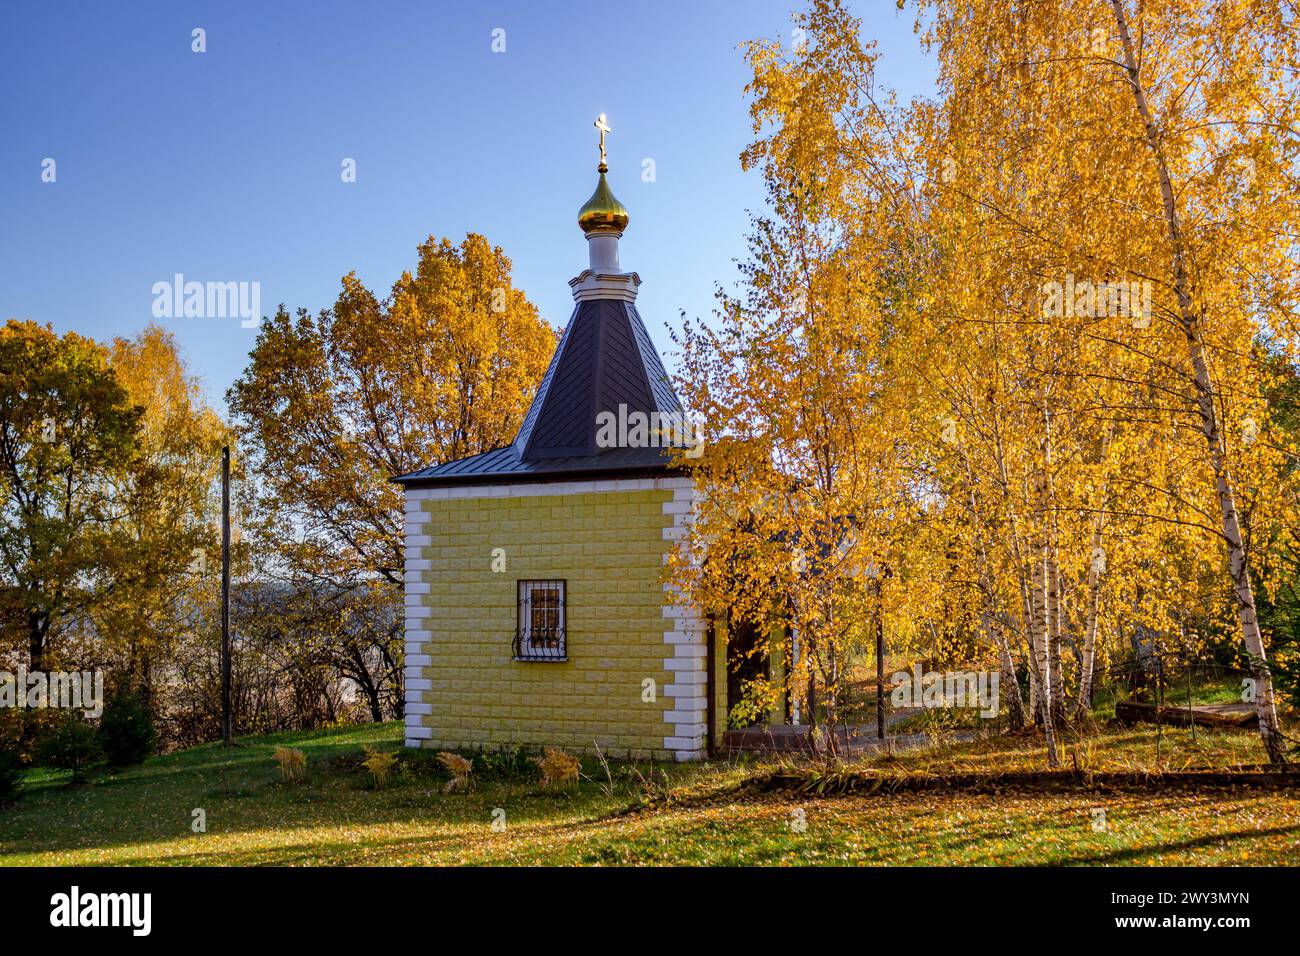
<point x="710" y="679"/>
<point x="227" y="719"/>
<point x="880" y="674"/>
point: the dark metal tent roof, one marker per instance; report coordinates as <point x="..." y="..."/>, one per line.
<point x="605" y="359"/>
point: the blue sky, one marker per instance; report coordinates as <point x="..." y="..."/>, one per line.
<point x="225" y="165"/>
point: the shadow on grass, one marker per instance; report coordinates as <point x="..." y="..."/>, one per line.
<point x="443" y="823"/>
<point x="1138" y="854"/>
<point x="145" y="815"/>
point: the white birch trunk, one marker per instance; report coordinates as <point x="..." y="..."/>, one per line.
<point x="1238" y="568"/>
<point x="1041" y="630"/>
<point x="1009" y="686"/>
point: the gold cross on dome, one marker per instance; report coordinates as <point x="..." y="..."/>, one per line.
<point x="603" y="125"/>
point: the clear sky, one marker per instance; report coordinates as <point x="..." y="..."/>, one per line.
<point x="225" y="165"/>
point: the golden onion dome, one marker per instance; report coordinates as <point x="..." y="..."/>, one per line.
<point x="602" y="212"/>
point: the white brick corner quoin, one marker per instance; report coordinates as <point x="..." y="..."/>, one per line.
<point x="686" y="636"/>
<point x="685" y="630"/>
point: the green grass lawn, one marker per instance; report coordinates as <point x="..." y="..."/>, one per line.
<point x="143" y="815"/>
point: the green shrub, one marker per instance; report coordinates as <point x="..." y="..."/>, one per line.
<point x="419" y="764"/>
<point x="505" y="763"/>
<point x="11" y="771"/>
<point x="73" y="745"/>
<point x="126" y="731"/>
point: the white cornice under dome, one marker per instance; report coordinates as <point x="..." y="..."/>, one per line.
<point x="591" y="284"/>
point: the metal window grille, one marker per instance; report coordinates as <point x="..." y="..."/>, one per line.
<point x="539" y="635"/>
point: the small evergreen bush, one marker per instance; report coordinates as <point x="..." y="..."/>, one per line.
<point x="126" y="731"/>
<point x="73" y="745"/>
<point x="10" y="773"/>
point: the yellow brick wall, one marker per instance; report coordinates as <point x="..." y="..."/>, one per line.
<point x="609" y="548"/>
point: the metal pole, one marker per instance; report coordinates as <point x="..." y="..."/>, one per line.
<point x="227" y="721"/>
<point x="880" y="673"/>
